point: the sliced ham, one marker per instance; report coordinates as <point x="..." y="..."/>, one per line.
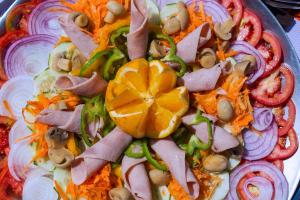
<point x="94" y="126"/>
<point x="67" y="120"/>
<point x="202" y="34"/>
<point x="137" y="39"/>
<point x="202" y="79"/>
<point x="222" y="139"/>
<point x="136" y="178"/>
<point x="174" y="157"/>
<point x="82" y="41"/>
<point x="88" y="87"/>
<point x="107" y="149"/>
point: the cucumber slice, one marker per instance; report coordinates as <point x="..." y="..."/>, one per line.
<point x="153" y="12"/>
<point x="223" y="188"/>
<point x="45" y="81"/>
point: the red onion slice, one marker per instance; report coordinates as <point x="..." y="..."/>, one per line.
<point x="259" y="182"/>
<point x="275" y="176"/>
<point x="16" y="91"/>
<point x="211" y="7"/>
<point x="263" y="118"/>
<point x="243" y="48"/>
<point x="260" y="145"/>
<point x="29" y="55"/>
<point x="19" y="160"/>
<point x="18" y="131"/>
<point x="44" y="19"/>
<point x="41" y="188"/>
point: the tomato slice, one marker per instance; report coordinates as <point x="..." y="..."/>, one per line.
<point x="235" y="8"/>
<point x="270" y="48"/>
<point x="279" y="164"/>
<point x="268" y="90"/>
<point x="286" y="125"/>
<point x="283" y="153"/>
<point x="250" y="29"/>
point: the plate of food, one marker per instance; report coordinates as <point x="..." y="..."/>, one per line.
<point x="148" y="100"/>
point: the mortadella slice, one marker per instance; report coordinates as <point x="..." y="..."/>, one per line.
<point x="107" y="149"/>
<point x="67" y="120"/>
<point x="88" y="87"/>
<point x="203" y="79"/>
<point x="82" y="41"/>
<point x="137" y="38"/>
<point x="202" y="34"/>
<point x="136" y="178"/>
<point x="174" y="157"/>
<point x="222" y="140"/>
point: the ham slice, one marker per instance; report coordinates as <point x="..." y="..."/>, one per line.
<point x="202" y="34"/>
<point x="67" y="120"/>
<point x="107" y="149"/>
<point x="136" y="178"/>
<point x="82" y="41"/>
<point x="222" y="140"/>
<point x="137" y="39"/>
<point x="94" y="126"/>
<point x="202" y="79"/>
<point x="88" y="87"/>
<point x="174" y="157"/>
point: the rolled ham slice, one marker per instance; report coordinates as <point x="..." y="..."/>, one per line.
<point x="137" y="39"/>
<point x="174" y="157"/>
<point x="136" y="178"/>
<point x="202" y="34"/>
<point x="202" y="79"/>
<point x="82" y="41"/>
<point x="222" y="139"/>
<point x="67" y="120"/>
<point x="88" y="87"/>
<point x="107" y="149"/>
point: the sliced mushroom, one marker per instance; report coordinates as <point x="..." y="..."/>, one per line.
<point x="245" y="67"/>
<point x="182" y="15"/>
<point x="156" y="50"/>
<point x="172" y="26"/>
<point x="120" y="194"/>
<point x="109" y="18"/>
<point x="80" y="19"/>
<point x="223" y="31"/>
<point x="208" y="58"/>
<point x="60" y="157"/>
<point x="225" y="110"/>
<point x="159" y="178"/>
<point x="250" y="58"/>
<point x="60" y="63"/>
<point x="115" y="8"/>
<point x="77" y="59"/>
<point x="56" y="138"/>
<point x="215" y="163"/>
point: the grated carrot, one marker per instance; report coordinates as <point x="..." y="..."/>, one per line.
<point x="8" y="108"/>
<point x="61" y="40"/>
<point x="60" y="191"/>
<point x="220" y="52"/>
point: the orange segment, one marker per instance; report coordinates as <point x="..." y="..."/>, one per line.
<point x="143" y="101"/>
<point x="175" y="101"/>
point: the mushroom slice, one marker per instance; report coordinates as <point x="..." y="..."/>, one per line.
<point x="115" y="7"/>
<point x="223" y="31"/>
<point x="120" y="194"/>
<point x="207" y="58"/>
<point x="61" y="158"/>
<point x="80" y="19"/>
<point x="172" y="26"/>
<point x="215" y="163"/>
<point x="182" y="15"/>
<point x="56" y="138"/>
<point x="77" y="59"/>
<point x="109" y="18"/>
<point x="156" y="50"/>
<point x="245" y="67"/>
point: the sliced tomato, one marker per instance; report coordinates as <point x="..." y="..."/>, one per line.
<point x="283" y="153"/>
<point x="235" y="8"/>
<point x="268" y="90"/>
<point x="250" y="29"/>
<point x="279" y="164"/>
<point x="286" y="125"/>
<point x="270" y="48"/>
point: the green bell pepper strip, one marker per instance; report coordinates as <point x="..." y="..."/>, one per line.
<point x="83" y="127"/>
<point x="118" y="33"/>
<point x="107" y="68"/>
<point x="150" y="159"/>
<point x="195" y="141"/>
<point x="131" y="150"/>
<point x="171" y="56"/>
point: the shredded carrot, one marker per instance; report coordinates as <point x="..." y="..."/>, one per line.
<point x="60" y="191"/>
<point x="220" y="52"/>
<point x="71" y="145"/>
<point x="8" y="108"/>
<point x="61" y="40"/>
<point x="202" y="12"/>
<point x="207" y="101"/>
<point x="72" y="190"/>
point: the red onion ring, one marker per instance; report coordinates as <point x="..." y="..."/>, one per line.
<point x="29" y="55"/>
<point x="212" y="8"/>
<point x="18" y="131"/>
<point x="263" y="118"/>
<point x="243" y="48"/>
<point x="260" y="145"/>
<point x="279" y="182"/>
<point x="44" y="19"/>
<point x="258" y="182"/>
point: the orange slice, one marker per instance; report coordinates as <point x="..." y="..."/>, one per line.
<point x="143" y="101"/>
